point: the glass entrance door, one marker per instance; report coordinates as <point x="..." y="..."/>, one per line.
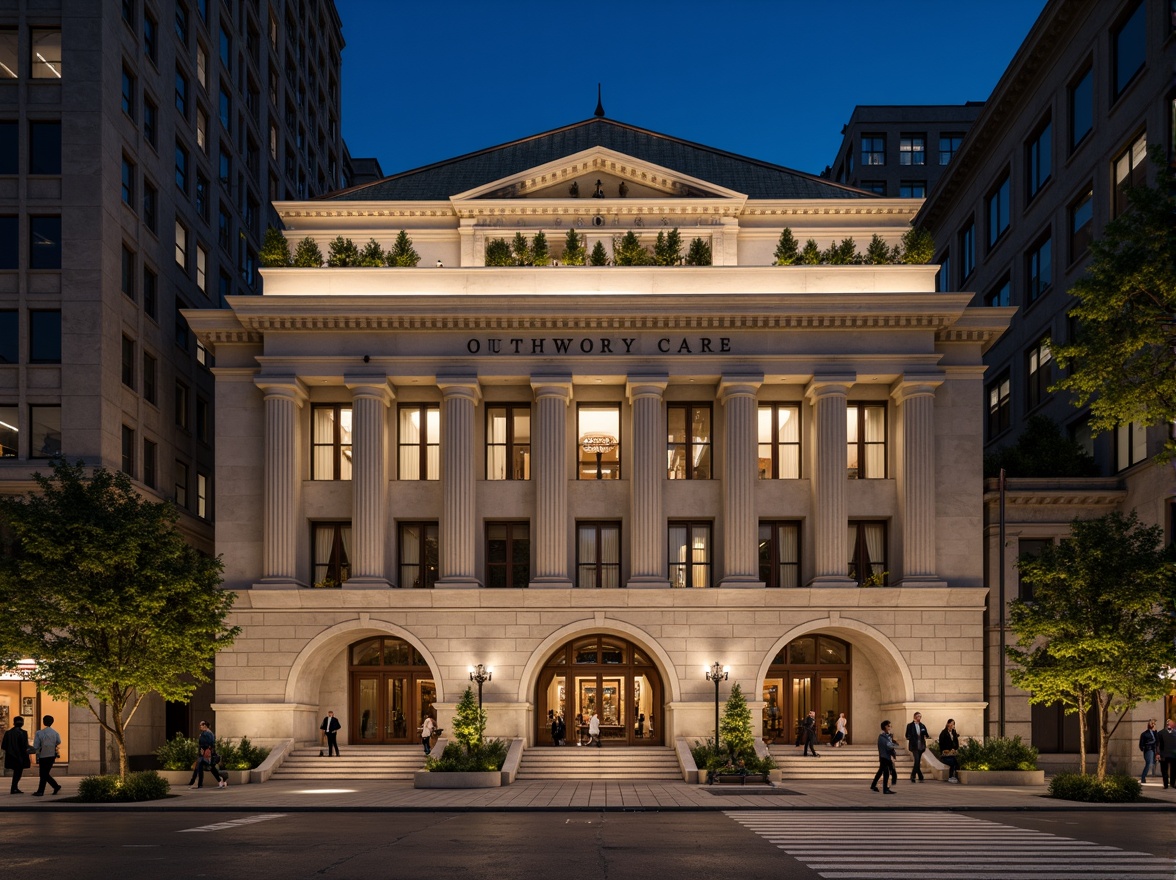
<point x="773" y="721"/>
<point x="388" y="707"/>
<point x="830" y="705"/>
<point x="801" y="700"/>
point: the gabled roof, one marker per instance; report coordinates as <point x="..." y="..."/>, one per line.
<point x="756" y="179"/>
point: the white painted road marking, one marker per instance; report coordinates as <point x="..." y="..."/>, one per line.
<point x="222" y="826"/>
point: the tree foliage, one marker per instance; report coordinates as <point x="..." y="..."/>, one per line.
<point x="667" y="249"/>
<point x="342" y="252"/>
<point x="1123" y="361"/>
<point x="521" y="249"/>
<point x="469" y="722"/>
<point x="699" y="253"/>
<point x="735" y="731"/>
<point x="599" y="256"/>
<point x="1042" y="451"/>
<point x="628" y="251"/>
<point x="498" y="253"/>
<point x="402" y="254"/>
<point x="811" y="255"/>
<point x="106" y="597"/>
<point x="540" y="253"/>
<point x="275" y="250"/>
<point x="918" y="247"/>
<point x="842" y="254"/>
<point x="787" y="250"/>
<point x="1098" y="629"/>
<point x="308" y="255"/>
<point x="879" y="252"/>
<point x="575" y="253"/>
<point x="371" y="254"/>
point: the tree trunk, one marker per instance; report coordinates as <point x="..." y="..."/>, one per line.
<point x="1104" y="711"/>
<point x="120" y="733"/>
<point x="1081" y="735"/>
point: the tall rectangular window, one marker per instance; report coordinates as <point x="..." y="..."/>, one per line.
<point x="1129" y="171"/>
<point x="690" y="560"/>
<point x="420" y="437"/>
<point x="867" y="547"/>
<point x="9" y="336"/>
<point x="330" y="443"/>
<point x="181" y="94"/>
<point x="201" y="129"/>
<point x="9" y="242"/>
<point x="943" y="276"/>
<point x="948" y="145"/>
<point x="1129" y="43"/>
<point x="150" y="293"/>
<point x="866" y="435"/>
<point x="9" y="431"/>
<point x="44" y="431"/>
<point x="1000" y="408"/>
<point x="150" y="388"/>
<point x="1081" y="224"/>
<point x="45" y="242"/>
<point x="1038" y="372"/>
<point x="150" y="463"/>
<point x="508" y="555"/>
<point x="128" y="183"/>
<point x="598" y="433"/>
<point x="967" y="251"/>
<point x="128" y="272"/>
<point x="150" y="205"/>
<point x="9" y="66"/>
<point x="779" y="554"/>
<point x="331" y="560"/>
<point x="688" y="448"/>
<point x="873" y="149"/>
<point x="202" y="269"/>
<point x="1038" y="160"/>
<point x="998" y="211"/>
<point x="182" y="22"/>
<point x="202" y="496"/>
<point x="128" y="451"/>
<point x="418" y="555"/>
<point x="912" y="189"/>
<point x="912" y="149"/>
<point x="1038" y="270"/>
<point x="1130" y="445"/>
<point x="181" y="245"/>
<point x="44" y="336"/>
<point x="1001" y="295"/>
<point x="128" y="362"/>
<point x="45" y="147"/>
<point x="201" y="65"/>
<point x="1081" y="108"/>
<point x="225" y="109"/>
<point x="181" y="168"/>
<point x="598" y="555"/>
<point x="226" y="49"/>
<point x="45" y="54"/>
<point x="9" y="147"/>
<point x="779" y="441"/>
<point x="508" y="442"/>
<point x="150" y="37"/>
<point x="128" y="93"/>
<point x="150" y="122"/>
<point x="181" y="405"/>
<point x="180" y="481"/>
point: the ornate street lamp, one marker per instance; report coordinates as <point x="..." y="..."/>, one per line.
<point x="598" y="445"/>
<point x="481" y="674"/>
<point x="716" y="673"/>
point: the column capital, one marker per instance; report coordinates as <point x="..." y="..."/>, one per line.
<point x="460" y="386"/>
<point x="279" y="387"/>
<point x="646" y="386"/>
<point x="375" y="387"/>
<point x="740" y="385"/>
<point x="915" y="385"/>
<point x="830" y="385"/>
<point x="558" y="385"/>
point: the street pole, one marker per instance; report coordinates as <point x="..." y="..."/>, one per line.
<point x="716" y="673"/>
<point x="1001" y="599"/>
<point x="480" y="674"/>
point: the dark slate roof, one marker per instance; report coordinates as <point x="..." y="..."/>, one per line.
<point x="439" y="181"/>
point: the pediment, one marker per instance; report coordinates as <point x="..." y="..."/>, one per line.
<point x="574" y="178"/>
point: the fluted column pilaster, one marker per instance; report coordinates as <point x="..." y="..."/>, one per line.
<point x="284" y="396"/>
<point x="647" y="532"/>
<point x="370" y="398"/>
<point x="740" y="527"/>
<point x="830" y="511"/>
<point x="458" y="532"/>
<point x="916" y="486"/>
<point x="549" y="469"/>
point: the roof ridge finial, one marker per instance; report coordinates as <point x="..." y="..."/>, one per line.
<point x="599" y="114"/>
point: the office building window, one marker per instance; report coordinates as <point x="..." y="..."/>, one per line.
<point x="878" y="187"/>
<point x="201" y="196"/>
<point x="999" y="405"/>
<point x="201" y="65"/>
<point x="9" y="337"/>
<point x="1130" y="445"/>
<point x="9" y="242"/>
<point x="181" y="94"/>
<point x="8" y="53"/>
<point x="181" y="405"/>
<point x="1081" y="224"/>
<point x="866" y="435"/>
<point x="998" y="210"/>
<point x="203" y="411"/>
<point x="9" y="147"/>
<point x="420" y="437"/>
<point x="150" y="463"/>
<point x="508" y="442"/>
<point x="779" y="554"/>
<point x="128" y="93"/>
<point x="779" y="441"/>
<point x="1001" y="295"/>
<point x="45" y="242"/>
<point x="873" y="149"/>
<point x="45" y="54"/>
<point x="183" y="334"/>
<point x="1079" y="432"/>
<point x="128" y="362"/>
<point x="150" y="205"/>
<point x="44" y="336"/>
<point x="1129" y="43"/>
<point x="44" y="431"/>
<point x="688" y="448"/>
<point x="181" y="246"/>
<point x="226" y="49"/>
<point x="943" y="276"/>
<point x="128" y="272"/>
<point x="912" y="189"/>
<point x="182" y="22"/>
<point x="180" y="481"/>
<point x="201" y="129"/>
<point x="912" y="149"/>
<point x="181" y="168"/>
<point x="690" y="555"/>
<point x="150" y="37"/>
<point x="418" y="555"/>
<point x="128" y="451"/>
<point x="202" y="269"/>
<point x="128" y="183"/>
<point x="867" y="548"/>
<point x="9" y="431"/>
<point x="967" y="251"/>
<point x="202" y="495"/>
<point x="1038" y="270"/>
<point x="1081" y="108"/>
<point x="1038" y="372"/>
<point x="598" y="555"/>
<point x="1129" y="171"/>
<point x="150" y="122"/>
<point x="948" y="145"/>
<point x="150" y="293"/>
<point x="598" y="429"/>
<point x="203" y="355"/>
<point x="1038" y="159"/>
<point x="150" y="389"/>
<point x="331" y="560"/>
<point x="330" y="442"/>
<point x="225" y="109"/>
<point x="508" y="554"/>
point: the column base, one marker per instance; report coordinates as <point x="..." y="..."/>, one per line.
<point x="740" y="582"/>
<point x="831" y="580"/>
<point x="648" y="582"/>
<point x="550" y="583"/>
<point x="367" y="583"/>
<point x="458" y="583"/>
<point x="279" y="584"/>
<point x="922" y="580"/>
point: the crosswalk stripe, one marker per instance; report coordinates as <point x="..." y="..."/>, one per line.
<point x="235" y="823"/>
<point x="850" y="847"/>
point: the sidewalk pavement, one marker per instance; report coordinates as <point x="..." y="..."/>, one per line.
<point x="366" y="795"/>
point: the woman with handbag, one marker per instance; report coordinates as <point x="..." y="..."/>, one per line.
<point x="949" y="748"/>
<point x="207" y="757"/>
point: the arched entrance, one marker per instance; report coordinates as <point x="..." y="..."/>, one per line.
<point x="603" y="674"/>
<point x="391" y="691"/>
<point x="809" y="673"/>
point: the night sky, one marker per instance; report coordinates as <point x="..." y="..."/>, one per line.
<point x="776" y="81"/>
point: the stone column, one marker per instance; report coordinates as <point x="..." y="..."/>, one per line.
<point x="469" y="244"/>
<point x="915" y="396"/>
<point x="458" y="532"/>
<point x="284" y="396"/>
<point x="549" y="465"/>
<point x="740" y="475"/>
<point x="647" y="471"/>
<point x="370" y="398"/>
<point x="830" y="511"/>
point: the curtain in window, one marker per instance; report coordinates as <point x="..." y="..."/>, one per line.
<point x="789" y="549"/>
<point x="700" y="556"/>
<point x="875" y="418"/>
<point x="324" y="444"/>
<point x="586" y="551"/>
<point x="788" y="436"/>
<point x="678" y="549"/>
<point x="873" y="535"/>
<point x="610" y="557"/>
<point x="410" y="439"/>
<point x="345" y="562"/>
<point x="324" y="540"/>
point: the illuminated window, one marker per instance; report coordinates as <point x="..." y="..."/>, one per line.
<point x="779" y="554"/>
<point x="873" y="149"/>
<point x="45" y="56"/>
<point x="1129" y="171"/>
<point x="688" y="448"/>
<point x="598" y="555"/>
<point x="999" y="405"/>
<point x="912" y="149"/>
<point x="1130" y="445"/>
<point x="331" y="560"/>
<point x="866" y="435"/>
<point x="1038" y="372"/>
<point x="418" y="555"/>
<point x="690" y="555"/>
<point x="420" y="436"/>
<point x="867" y="548"/>
<point x="330" y="444"/>
<point x="508" y="442"/>
<point x="598" y="427"/>
<point x="779" y="441"/>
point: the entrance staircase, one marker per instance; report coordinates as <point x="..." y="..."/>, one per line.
<point x="354" y="762"/>
<point x="587" y="762"/>
<point x="847" y="762"/>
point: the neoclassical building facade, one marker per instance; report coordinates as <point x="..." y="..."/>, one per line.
<point x="598" y="481"/>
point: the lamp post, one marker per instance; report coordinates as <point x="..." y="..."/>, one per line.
<point x="716" y="673"/>
<point x="481" y="674"/>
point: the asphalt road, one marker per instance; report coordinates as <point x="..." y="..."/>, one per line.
<point x="502" y="846"/>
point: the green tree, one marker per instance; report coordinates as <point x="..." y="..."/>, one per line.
<point x="599" y="256"/>
<point x="540" y="255"/>
<point x="735" y="731"/>
<point x="574" y="251"/>
<point x="842" y="254"/>
<point x="521" y="250"/>
<point x="1123" y="362"/>
<point x="1097" y="629"/>
<point x="342" y="252"/>
<point x="811" y="255"/>
<point x="667" y="249"/>
<point x="469" y="724"/>
<point x="628" y="251"/>
<point x="402" y="254"/>
<point x="307" y="255"/>
<point x="1041" y="451"/>
<point x="699" y="253"/>
<point x="498" y="253"/>
<point x="275" y="250"/>
<point x="787" y="250"/>
<point x="103" y="593"/>
<point x="879" y="252"/>
<point x="372" y="254"/>
<point x="918" y="248"/>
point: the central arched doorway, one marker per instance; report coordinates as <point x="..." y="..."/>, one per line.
<point x="809" y="673"/>
<point x="604" y="674"/>
<point x="392" y="689"/>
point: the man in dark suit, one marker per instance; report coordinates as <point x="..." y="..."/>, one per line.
<point x="330" y="727"/>
<point x="916" y="736"/>
<point x="810" y="734"/>
<point x="15" y="746"/>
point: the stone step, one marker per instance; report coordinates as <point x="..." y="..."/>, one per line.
<point x="848" y="762"/>
<point x="606" y="763"/>
<point x="364" y="762"/>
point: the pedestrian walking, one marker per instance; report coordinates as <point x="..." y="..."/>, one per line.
<point x="810" y="734"/>
<point x="15" y="746"/>
<point x="1166" y="751"/>
<point x="885" y="760"/>
<point x="46" y="746"/>
<point x="594" y="730"/>
<point x="949" y="748"/>
<point x="427" y="728"/>
<point x="916" y="737"/>
<point x="330" y="728"/>
<point x="207" y="757"/>
<point x="1148" y="741"/>
<point x="841" y="736"/>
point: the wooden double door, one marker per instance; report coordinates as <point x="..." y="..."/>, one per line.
<point x="389" y="707"/>
<point x="789" y="695"/>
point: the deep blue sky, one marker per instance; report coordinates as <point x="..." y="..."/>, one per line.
<point x="771" y="79"/>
